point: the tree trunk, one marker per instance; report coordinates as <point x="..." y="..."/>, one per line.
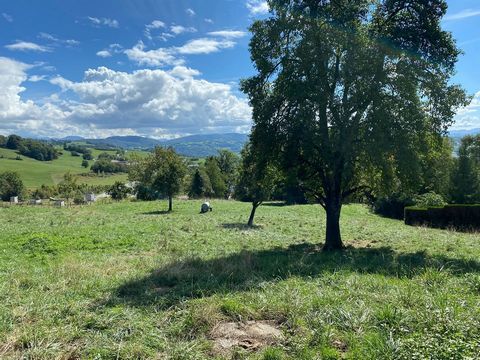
<point x="170" y="203"/>
<point x="252" y="214"/>
<point x="333" y="240"/>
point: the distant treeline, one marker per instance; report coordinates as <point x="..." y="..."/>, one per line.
<point x="31" y="148"/>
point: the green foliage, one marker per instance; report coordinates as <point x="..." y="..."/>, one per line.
<point x="11" y="185"/>
<point x="460" y="217"/>
<point x="85" y="163"/>
<point x="104" y="165"/>
<point x="465" y="188"/>
<point x="68" y="187"/>
<point x="345" y="94"/>
<point x="229" y="163"/>
<point x="162" y="171"/>
<point x="200" y="185"/>
<point x="13" y="142"/>
<point x="119" y="191"/>
<point x="393" y="206"/>
<point x="430" y="199"/>
<point x="216" y="177"/>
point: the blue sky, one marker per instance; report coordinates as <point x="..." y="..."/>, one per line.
<point x="158" y="68"/>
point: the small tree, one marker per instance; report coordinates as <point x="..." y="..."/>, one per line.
<point x="229" y="163"/>
<point x="200" y="185"/>
<point x="465" y="188"/>
<point x="68" y="187"/>
<point x="162" y="171"/>
<point x="119" y="191"/>
<point x="256" y="181"/>
<point x="10" y="185"/>
<point x="217" y="179"/>
<point x="85" y="163"/>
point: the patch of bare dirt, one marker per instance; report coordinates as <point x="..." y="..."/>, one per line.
<point x="251" y="336"/>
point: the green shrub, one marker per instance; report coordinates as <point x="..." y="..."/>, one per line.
<point x="429" y="199"/>
<point x="461" y="217"/>
<point x="11" y="185"/>
<point x="392" y="206"/>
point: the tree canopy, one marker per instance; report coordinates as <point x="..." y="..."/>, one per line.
<point x="346" y="90"/>
<point x="163" y="171"/>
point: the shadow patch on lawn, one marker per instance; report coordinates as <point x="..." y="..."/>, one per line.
<point x="159" y="212"/>
<point x="198" y="278"/>
<point x="241" y="226"/>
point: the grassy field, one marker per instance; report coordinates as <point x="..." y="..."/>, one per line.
<point x="128" y="281"/>
<point x="34" y="173"/>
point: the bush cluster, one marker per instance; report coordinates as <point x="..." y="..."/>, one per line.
<point x="460" y="217"/>
<point x="34" y="149"/>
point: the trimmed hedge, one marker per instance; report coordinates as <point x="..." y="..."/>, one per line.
<point x="460" y="217"/>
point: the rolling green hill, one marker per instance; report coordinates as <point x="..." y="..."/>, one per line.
<point x="34" y="173"/>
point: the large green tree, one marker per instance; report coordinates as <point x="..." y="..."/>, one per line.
<point x="162" y="171"/>
<point x="346" y="86"/>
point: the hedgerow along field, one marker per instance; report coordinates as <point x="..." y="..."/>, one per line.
<point x="35" y="173"/>
<point x="127" y="280"/>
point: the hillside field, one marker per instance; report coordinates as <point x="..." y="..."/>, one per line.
<point x="129" y="281"/>
<point x="35" y="173"/>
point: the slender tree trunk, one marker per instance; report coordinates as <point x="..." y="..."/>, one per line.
<point x="333" y="240"/>
<point x="170" y="203"/>
<point x="252" y="213"/>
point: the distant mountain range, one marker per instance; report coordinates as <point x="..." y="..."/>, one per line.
<point x="199" y="145"/>
<point x="462" y="133"/>
<point x="193" y="146"/>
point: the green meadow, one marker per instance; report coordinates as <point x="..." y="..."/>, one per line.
<point x="129" y="281"/>
<point x="35" y="173"/>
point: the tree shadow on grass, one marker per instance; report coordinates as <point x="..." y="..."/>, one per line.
<point x="159" y="212"/>
<point x="241" y="226"/>
<point x="197" y="278"/>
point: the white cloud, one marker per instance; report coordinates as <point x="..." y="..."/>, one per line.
<point x="159" y="57"/>
<point x="27" y="46"/>
<point x="257" y="7"/>
<point x="104" y="53"/>
<point x="178" y="29"/>
<point x="190" y="12"/>
<point x="36" y="78"/>
<point x="18" y="115"/>
<point x="208" y="21"/>
<point x="469" y="116"/>
<point x="156" y="24"/>
<point x="110" y="51"/>
<point x="103" y="22"/>
<point x="172" y="56"/>
<point x="467" y="13"/>
<point x="172" y="101"/>
<point x="7" y="17"/>
<point x="205" y="46"/>
<point x="228" y="34"/>
<point x="56" y="40"/>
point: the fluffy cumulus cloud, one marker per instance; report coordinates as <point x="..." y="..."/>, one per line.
<point x="172" y="56"/>
<point x="469" y="116"/>
<point x="154" y="58"/>
<point x="19" y="115"/>
<point x="148" y="100"/>
<point x="106" y="102"/>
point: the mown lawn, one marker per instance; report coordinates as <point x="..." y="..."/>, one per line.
<point x="125" y="280"/>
